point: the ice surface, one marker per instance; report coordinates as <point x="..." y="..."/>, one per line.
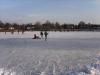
<point x="63" y="35"/>
<point x="64" y="53"/>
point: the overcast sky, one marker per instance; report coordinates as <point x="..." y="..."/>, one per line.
<point x="63" y="11"/>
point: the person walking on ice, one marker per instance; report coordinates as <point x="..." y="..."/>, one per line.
<point x="45" y="34"/>
<point x="41" y="33"/>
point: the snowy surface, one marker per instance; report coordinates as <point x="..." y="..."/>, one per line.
<point x="64" y="53"/>
<point x="65" y="35"/>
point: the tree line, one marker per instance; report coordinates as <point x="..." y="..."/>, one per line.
<point x="48" y="26"/>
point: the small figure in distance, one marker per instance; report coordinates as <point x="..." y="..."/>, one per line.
<point x="36" y="37"/>
<point x="46" y="34"/>
<point x="41" y="33"/>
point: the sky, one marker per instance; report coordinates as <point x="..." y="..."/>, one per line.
<point x="63" y="11"/>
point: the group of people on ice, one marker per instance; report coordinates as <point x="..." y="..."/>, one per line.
<point x="42" y="34"/>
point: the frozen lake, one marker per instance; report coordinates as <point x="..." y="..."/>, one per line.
<point x="65" y="53"/>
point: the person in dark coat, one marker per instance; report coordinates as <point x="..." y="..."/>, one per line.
<point x="36" y="37"/>
<point x="41" y="33"/>
<point x="45" y="34"/>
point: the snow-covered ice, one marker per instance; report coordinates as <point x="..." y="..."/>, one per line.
<point x="64" y="53"/>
